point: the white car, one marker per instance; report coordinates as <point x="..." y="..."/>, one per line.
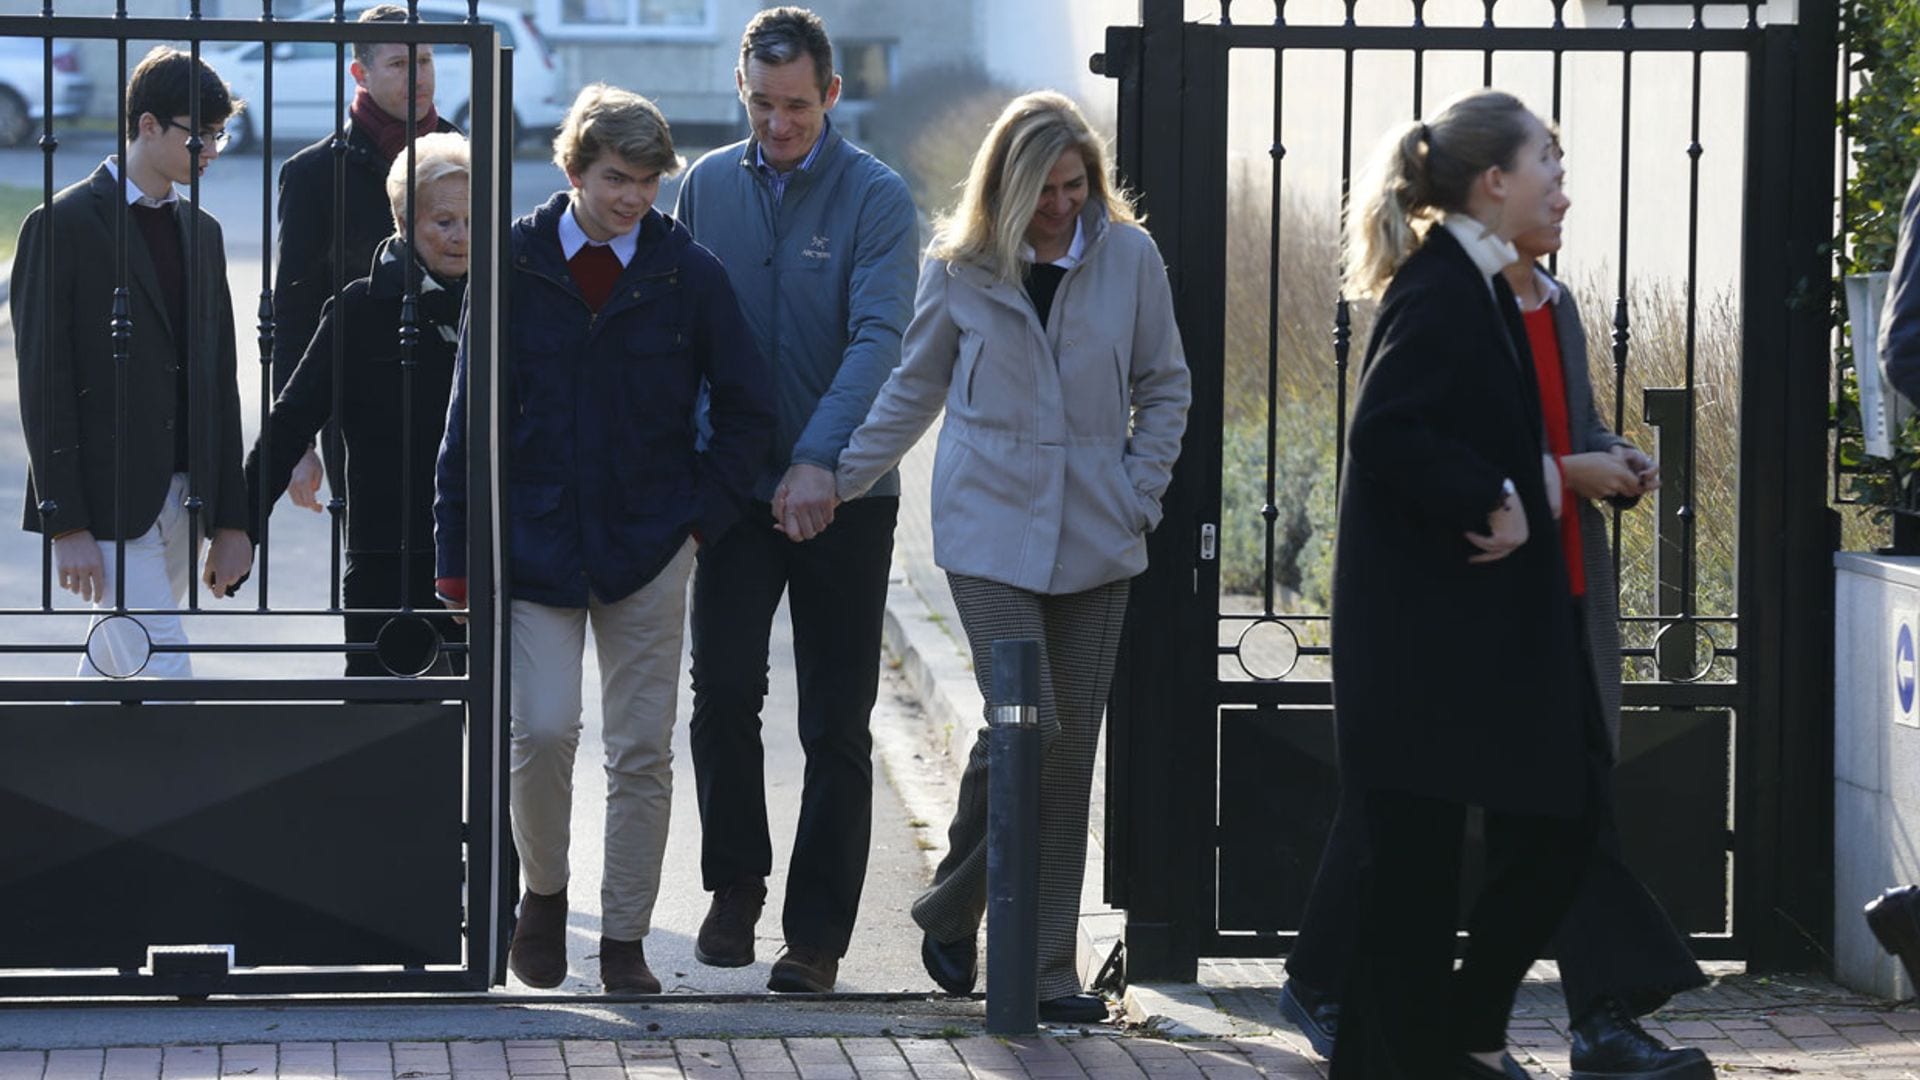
<point x="23" y="88"/>
<point x="303" y="86"/>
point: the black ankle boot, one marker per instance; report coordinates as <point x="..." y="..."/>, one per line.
<point x="1610" y="1044"/>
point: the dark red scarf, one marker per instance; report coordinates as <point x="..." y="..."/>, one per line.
<point x="389" y="134"/>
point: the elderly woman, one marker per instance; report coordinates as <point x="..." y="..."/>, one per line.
<point x="1044" y="326"/>
<point x="390" y="481"/>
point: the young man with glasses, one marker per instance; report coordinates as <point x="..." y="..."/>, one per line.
<point x="171" y="474"/>
<point x="304" y="275"/>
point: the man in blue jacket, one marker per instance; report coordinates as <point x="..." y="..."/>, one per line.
<point x="820" y="240"/>
<point x="617" y="321"/>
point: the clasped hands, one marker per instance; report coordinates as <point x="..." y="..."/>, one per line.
<point x="1620" y="472"/>
<point x="804" y="503"/>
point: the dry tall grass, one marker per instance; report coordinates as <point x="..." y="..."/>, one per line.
<point x="1296" y="394"/>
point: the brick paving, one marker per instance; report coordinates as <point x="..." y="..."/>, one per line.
<point x="1800" y="1026"/>
<point x="1761" y="1027"/>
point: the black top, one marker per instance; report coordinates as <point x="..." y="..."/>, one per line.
<point x="371" y="416"/>
<point x="161" y="231"/>
<point x="1043" y="281"/>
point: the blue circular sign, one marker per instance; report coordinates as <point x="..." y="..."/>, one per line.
<point x="1903" y="667"/>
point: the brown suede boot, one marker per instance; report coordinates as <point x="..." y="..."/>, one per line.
<point x="623" y="968"/>
<point x="538" y="954"/>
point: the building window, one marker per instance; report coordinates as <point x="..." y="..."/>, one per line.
<point x="666" y="17"/>
<point x="866" y="68"/>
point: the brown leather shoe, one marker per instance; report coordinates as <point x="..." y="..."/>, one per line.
<point x="726" y="934"/>
<point x="623" y="968"/>
<point x="538" y="954"/>
<point x="804" y="970"/>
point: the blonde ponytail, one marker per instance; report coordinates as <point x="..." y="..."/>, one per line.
<point x="1382" y="209"/>
<point x="1419" y="171"/>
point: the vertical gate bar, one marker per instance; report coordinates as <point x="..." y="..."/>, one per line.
<point x="265" y="320"/>
<point x="1555" y="107"/>
<point x="1419" y="62"/>
<point x="1486" y="61"/>
<point x="1121" y="62"/>
<point x="336" y="506"/>
<point x="1342" y="310"/>
<point x="1204" y="212"/>
<point x="505" y="859"/>
<point x="1621" y="327"/>
<point x="1690" y="513"/>
<point x="410" y="317"/>
<point x="1844" y="256"/>
<point x="1276" y="151"/>
<point x="122" y="329"/>
<point x="199" y="384"/>
<point x="48" y="507"/>
<point x="490" y="886"/>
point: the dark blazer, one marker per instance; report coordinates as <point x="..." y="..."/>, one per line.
<point x="372" y="416"/>
<point x="1452" y="680"/>
<point x="65" y="347"/>
<point x="303" y="262"/>
<point x="606" y="477"/>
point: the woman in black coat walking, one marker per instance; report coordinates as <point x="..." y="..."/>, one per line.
<point x="1459" y="679"/>
<point x="389" y="474"/>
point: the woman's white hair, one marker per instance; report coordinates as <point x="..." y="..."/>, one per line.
<point x="435" y="157"/>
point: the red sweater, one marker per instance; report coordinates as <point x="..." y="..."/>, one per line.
<point x="1553" y="410"/>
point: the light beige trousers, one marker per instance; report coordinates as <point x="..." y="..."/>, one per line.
<point x="638" y="641"/>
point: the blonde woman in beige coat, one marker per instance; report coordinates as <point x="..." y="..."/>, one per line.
<point x="1044" y="327"/>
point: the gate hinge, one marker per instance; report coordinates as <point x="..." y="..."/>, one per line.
<point x="1209" y="541"/>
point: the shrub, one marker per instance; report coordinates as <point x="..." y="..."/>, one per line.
<point x="1882" y="120"/>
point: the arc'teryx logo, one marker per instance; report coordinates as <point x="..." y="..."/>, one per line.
<point x="817" y="249"/>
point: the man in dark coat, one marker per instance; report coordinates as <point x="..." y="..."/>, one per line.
<point x="305" y="276"/>
<point x="140" y="459"/>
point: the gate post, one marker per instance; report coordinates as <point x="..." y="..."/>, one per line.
<point x="1784" y="880"/>
<point x="1161" y="763"/>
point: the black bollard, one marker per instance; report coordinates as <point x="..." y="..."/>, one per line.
<point x="1013" y="838"/>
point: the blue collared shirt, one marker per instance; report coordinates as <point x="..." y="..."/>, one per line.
<point x="777" y="179"/>
<point x="573" y="238"/>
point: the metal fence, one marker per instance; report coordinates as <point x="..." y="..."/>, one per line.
<point x="272" y="825"/>
<point x="1700" y="145"/>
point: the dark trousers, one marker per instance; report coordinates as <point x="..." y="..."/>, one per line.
<point x="836" y="588"/>
<point x="377" y="580"/>
<point x="1405" y="1011"/>
<point x="1615" y="942"/>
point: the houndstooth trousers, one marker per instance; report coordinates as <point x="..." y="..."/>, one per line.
<point x="1079" y="633"/>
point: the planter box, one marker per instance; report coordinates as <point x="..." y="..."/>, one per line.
<point x="1876" y="758"/>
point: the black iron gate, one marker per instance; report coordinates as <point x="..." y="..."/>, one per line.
<point x="1714" y="140"/>
<point x="268" y="827"/>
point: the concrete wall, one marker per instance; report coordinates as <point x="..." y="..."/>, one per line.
<point x="1876" y="763"/>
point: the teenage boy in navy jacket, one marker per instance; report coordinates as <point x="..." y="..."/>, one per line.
<point x="618" y="319"/>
